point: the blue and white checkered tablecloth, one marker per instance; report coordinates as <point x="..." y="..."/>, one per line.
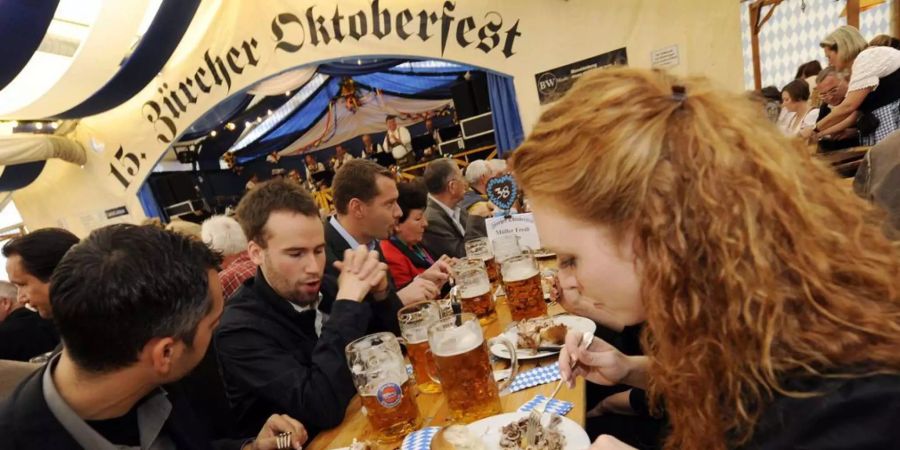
<point x="560" y="407"/>
<point x="535" y="377"/>
<point x="420" y="440"/>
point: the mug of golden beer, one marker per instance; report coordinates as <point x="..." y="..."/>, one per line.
<point x="467" y="378"/>
<point x="524" y="293"/>
<point x="481" y="249"/>
<point x="475" y="294"/>
<point x="414" y="322"/>
<point x="379" y="374"/>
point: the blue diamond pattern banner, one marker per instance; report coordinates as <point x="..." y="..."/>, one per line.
<point x="791" y="37"/>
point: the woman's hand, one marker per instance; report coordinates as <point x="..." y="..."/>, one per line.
<point x="607" y="442"/>
<point x="599" y="363"/>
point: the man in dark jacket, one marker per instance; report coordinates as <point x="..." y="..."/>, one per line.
<point x="365" y="198"/>
<point x="282" y="338"/>
<point x="136" y="307"/>
<point x="23" y="334"/>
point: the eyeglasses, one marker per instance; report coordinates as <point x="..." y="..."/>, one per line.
<point x="829" y="92"/>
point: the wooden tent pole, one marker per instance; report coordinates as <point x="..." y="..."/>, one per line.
<point x="853" y="13"/>
<point x="756" y="24"/>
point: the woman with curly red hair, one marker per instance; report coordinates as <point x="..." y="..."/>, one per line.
<point x="770" y="296"/>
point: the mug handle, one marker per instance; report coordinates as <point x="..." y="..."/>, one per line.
<point x="513" y="358"/>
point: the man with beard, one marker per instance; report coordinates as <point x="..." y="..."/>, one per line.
<point x="282" y="337"/>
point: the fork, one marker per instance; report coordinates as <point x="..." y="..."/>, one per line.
<point x="534" y="418"/>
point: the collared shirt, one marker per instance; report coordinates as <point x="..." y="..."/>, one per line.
<point x="354" y="244"/>
<point x="151" y="414"/>
<point x="452" y="212"/>
<point x="321" y="317"/>
<point x="233" y="276"/>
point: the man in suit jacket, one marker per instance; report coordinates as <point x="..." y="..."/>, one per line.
<point x="365" y="198"/>
<point x="282" y="338"/>
<point x="136" y="307"/>
<point x="447" y="221"/>
<point x="23" y="334"/>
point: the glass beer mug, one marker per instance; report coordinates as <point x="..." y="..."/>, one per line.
<point x="414" y="322"/>
<point x="524" y="293"/>
<point x="506" y="246"/>
<point x="464" y="368"/>
<point x="475" y="293"/>
<point x="379" y="374"/>
<point x="481" y="249"/>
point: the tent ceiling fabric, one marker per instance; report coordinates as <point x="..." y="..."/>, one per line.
<point x="111" y="63"/>
<point x="23" y="24"/>
<point x="96" y="60"/>
<point x="284" y="82"/>
<point x="153" y="50"/>
<point x="340" y="124"/>
<point x="25" y="148"/>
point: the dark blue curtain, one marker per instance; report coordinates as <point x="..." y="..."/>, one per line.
<point x="507" y="122"/>
<point x="150" y="55"/>
<point x="221" y="114"/>
<point x="18" y="176"/>
<point x="148" y="201"/>
<point x="432" y="86"/>
<point x="23" y="24"/>
<point x="348" y="69"/>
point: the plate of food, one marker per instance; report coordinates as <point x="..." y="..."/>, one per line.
<point x="507" y="432"/>
<point x="542" y="336"/>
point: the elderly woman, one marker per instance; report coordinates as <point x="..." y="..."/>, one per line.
<point x="873" y="93"/>
<point x="405" y="256"/>
<point x="771" y="301"/>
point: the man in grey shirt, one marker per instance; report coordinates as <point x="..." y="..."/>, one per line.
<point x="136" y="308"/>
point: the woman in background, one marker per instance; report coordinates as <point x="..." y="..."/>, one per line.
<point x="795" y="99"/>
<point x="771" y="300"/>
<point x="405" y="256"/>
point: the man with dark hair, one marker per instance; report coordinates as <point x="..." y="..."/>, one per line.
<point x="282" y="338"/>
<point x="23" y="334"/>
<point x="365" y="200"/>
<point x="447" y="222"/>
<point x="31" y="259"/>
<point x="136" y="307"/>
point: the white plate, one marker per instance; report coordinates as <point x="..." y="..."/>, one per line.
<point x="489" y="430"/>
<point x="579" y="324"/>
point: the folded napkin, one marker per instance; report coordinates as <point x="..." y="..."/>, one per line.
<point x="560" y="407"/>
<point x="420" y="440"/>
<point x="535" y="377"/>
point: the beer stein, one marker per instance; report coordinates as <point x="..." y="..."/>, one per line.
<point x="379" y="374"/>
<point x="464" y="367"/>
<point x="414" y="320"/>
<point x="524" y="292"/>
<point x="475" y="294"/>
<point x="481" y="249"/>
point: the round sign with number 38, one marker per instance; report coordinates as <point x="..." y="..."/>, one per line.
<point x="502" y="191"/>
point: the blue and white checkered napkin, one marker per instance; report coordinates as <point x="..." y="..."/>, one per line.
<point x="420" y="440"/>
<point x="560" y="407"/>
<point x="534" y="377"/>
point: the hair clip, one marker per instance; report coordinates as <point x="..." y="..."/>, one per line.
<point x="679" y="93"/>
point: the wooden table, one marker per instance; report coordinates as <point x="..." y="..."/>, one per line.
<point x="433" y="407"/>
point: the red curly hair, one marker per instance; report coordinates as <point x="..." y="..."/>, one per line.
<point x="756" y="264"/>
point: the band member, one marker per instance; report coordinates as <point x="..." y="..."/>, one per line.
<point x="398" y="141"/>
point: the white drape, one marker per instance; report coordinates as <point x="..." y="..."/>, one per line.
<point x="23" y="148"/>
<point x="284" y="82"/>
<point x="369" y="118"/>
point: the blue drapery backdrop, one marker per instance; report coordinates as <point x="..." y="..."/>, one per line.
<point x="507" y="122"/>
<point x="23" y="24"/>
<point x="148" y="201"/>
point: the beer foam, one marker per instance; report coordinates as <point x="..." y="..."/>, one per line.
<point x="519" y="273"/>
<point x="457" y="340"/>
<point x="478" y="289"/>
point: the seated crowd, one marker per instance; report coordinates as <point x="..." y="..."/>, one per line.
<point x="743" y="299"/>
